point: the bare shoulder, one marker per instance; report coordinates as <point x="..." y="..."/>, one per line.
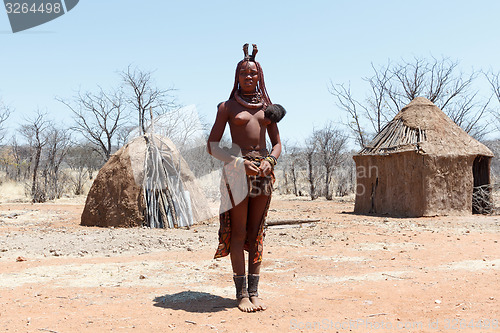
<point x="221" y="109"/>
<point x="228" y="107"/>
<point x="230" y="104"/>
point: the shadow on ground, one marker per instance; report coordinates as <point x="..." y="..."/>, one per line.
<point x="194" y="301"/>
<point x="386" y="215"/>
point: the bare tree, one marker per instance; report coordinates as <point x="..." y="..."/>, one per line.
<point x="494" y="80"/>
<point x="6" y="161"/>
<point x="396" y="84"/>
<point x="122" y="135"/>
<point x="321" y="163"/>
<point x="5" y="112"/>
<point x="35" y="133"/>
<point x="294" y="164"/>
<point x="146" y="95"/>
<point x="98" y="117"/>
<point x="21" y="155"/>
<point x="83" y="160"/>
<point x="58" y="142"/>
<point x="311" y="158"/>
<point x="75" y="160"/>
<point x="345" y="175"/>
<point x="284" y="167"/>
<point x="354" y="109"/>
<point x="330" y="145"/>
<point x="182" y="126"/>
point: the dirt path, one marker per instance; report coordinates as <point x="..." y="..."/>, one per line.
<point x="344" y="273"/>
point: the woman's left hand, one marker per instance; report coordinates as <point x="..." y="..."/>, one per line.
<point x="265" y="168"/>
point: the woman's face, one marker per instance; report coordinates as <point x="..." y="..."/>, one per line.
<point x="248" y="77"/>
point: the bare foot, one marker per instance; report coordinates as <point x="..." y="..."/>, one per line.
<point x="245" y="305"/>
<point x="257" y="302"/>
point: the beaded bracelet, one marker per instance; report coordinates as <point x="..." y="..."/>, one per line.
<point x="272" y="160"/>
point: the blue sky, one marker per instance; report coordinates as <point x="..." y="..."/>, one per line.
<point x="195" y="45"/>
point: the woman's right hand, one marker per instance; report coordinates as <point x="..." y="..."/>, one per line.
<point x="250" y="168"/>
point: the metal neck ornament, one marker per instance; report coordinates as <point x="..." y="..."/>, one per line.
<point x="255" y="102"/>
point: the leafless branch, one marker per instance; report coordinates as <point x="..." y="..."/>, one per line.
<point x="145" y="95"/>
<point x="98" y="117"/>
<point x="34" y="130"/>
<point x="396" y="84"/>
<point x="350" y="105"/>
<point x="5" y="112"/>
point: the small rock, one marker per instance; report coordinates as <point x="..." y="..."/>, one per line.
<point x="20" y="259"/>
<point x="142" y="277"/>
<point x="437" y="301"/>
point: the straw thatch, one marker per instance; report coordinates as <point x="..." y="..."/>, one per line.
<point x="421" y="163"/>
<point x="422" y="126"/>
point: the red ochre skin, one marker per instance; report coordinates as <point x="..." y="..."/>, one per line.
<point x="248" y="127"/>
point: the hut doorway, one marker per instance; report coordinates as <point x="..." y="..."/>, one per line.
<point x="481" y="193"/>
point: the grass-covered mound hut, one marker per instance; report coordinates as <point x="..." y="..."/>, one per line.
<point x="145" y="183"/>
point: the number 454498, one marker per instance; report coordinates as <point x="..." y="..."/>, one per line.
<point x="24" y="8"/>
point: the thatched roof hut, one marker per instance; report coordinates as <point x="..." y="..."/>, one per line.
<point x="420" y="164"/>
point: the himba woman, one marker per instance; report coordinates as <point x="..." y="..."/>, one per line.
<point x="244" y="203"/>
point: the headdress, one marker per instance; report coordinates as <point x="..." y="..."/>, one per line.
<point x="254" y="52"/>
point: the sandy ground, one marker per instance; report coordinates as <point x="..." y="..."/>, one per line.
<point x="345" y="273"/>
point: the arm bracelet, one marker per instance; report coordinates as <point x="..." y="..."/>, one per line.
<point x="271" y="159"/>
<point x="236" y="160"/>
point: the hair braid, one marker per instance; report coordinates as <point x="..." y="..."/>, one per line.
<point x="261" y="85"/>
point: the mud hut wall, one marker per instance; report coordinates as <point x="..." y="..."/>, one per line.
<point x="390" y="184"/>
<point x="114" y="198"/>
<point x="448" y="185"/>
